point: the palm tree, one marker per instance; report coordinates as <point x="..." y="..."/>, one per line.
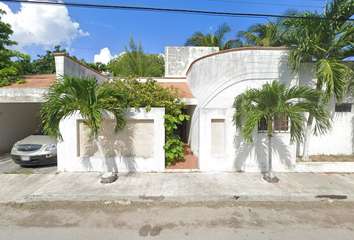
<point x="266" y="35"/>
<point x="275" y="101"/>
<point x="212" y="40"/>
<point x="74" y="94"/>
<point x="324" y="39"/>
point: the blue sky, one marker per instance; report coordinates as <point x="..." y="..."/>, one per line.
<point x="84" y="32"/>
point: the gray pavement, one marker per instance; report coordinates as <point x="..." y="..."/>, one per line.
<point x="8" y="166"/>
<point x="48" y="185"/>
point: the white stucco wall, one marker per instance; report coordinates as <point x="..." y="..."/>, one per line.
<point x="339" y="140"/>
<point x="178" y="59"/>
<point x="17" y="121"/>
<point x="237" y="155"/>
<point x="65" y="64"/>
<point x="21" y="95"/>
<point x="215" y="80"/>
<point x="69" y="158"/>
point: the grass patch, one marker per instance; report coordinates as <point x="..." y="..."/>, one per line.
<point x="15" y="172"/>
<point x="21" y="81"/>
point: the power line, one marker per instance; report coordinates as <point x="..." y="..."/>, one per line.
<point x="229" y="14"/>
<point x="265" y="3"/>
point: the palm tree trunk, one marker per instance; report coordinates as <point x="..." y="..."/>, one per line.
<point x="270" y="172"/>
<point x="107" y="177"/>
<point x="269" y="176"/>
<point x="305" y="154"/>
<point x="103" y="155"/>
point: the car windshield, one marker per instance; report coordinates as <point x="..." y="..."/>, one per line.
<point x="39" y="132"/>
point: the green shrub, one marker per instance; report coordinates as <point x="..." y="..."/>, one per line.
<point x="21" y="81"/>
<point x="147" y="95"/>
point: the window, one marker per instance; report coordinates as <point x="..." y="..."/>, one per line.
<point x="344" y="107"/>
<point x="280" y="124"/>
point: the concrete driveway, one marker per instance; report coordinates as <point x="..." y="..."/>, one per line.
<point x="8" y="166"/>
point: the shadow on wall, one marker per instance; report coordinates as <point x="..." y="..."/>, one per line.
<point x="116" y="146"/>
<point x="284" y="72"/>
<point x="352" y="134"/>
<point x="256" y="156"/>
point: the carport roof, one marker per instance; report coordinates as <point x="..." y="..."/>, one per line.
<point x="35" y="81"/>
<point x="46" y="80"/>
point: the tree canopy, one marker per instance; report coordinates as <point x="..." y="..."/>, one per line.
<point x="275" y="101"/>
<point x="324" y="40"/>
<point x="74" y="94"/>
<point x="212" y="40"/>
<point x="136" y="63"/>
<point x="266" y="35"/>
<point x="8" y="68"/>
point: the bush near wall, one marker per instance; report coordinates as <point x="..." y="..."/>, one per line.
<point x="148" y="94"/>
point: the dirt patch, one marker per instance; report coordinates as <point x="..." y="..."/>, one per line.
<point x="331" y="158"/>
<point x="154" y="218"/>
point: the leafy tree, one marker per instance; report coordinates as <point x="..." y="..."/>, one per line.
<point x="134" y="62"/>
<point x="275" y="101"/>
<point x="45" y="64"/>
<point x="212" y="40"/>
<point x="8" y="68"/>
<point x="74" y="94"/>
<point x="5" y="32"/>
<point x="148" y="95"/>
<point x="25" y="64"/>
<point x="259" y="34"/>
<point x="324" y="39"/>
<point x="97" y="66"/>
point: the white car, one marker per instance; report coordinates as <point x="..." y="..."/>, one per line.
<point x="34" y="150"/>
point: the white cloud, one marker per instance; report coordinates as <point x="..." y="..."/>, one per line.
<point x="36" y="24"/>
<point x="104" y="56"/>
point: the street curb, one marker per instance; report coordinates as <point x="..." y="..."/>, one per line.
<point x="190" y="198"/>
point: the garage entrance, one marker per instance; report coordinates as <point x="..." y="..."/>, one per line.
<point x="17" y="121"/>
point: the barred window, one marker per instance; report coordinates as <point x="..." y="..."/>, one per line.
<point x="280" y="124"/>
<point x="344" y="107"/>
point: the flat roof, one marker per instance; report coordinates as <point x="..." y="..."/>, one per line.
<point x="46" y="80"/>
<point x="35" y="81"/>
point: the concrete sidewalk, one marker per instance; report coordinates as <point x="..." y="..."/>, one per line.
<point x="182" y="187"/>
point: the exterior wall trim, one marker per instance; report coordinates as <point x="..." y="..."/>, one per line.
<point x="235" y="50"/>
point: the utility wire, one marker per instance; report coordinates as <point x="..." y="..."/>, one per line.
<point x="266" y="3"/>
<point x="170" y="10"/>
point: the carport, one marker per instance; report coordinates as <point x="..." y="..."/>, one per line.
<point x="19" y="107"/>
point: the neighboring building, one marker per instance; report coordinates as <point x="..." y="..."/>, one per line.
<point x="208" y="81"/>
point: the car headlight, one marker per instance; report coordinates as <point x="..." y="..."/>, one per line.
<point x="14" y="147"/>
<point x="51" y="147"/>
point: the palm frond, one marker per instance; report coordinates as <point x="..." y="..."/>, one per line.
<point x="276" y="100"/>
<point x="73" y="94"/>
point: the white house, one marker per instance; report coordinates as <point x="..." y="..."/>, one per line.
<point x="209" y="81"/>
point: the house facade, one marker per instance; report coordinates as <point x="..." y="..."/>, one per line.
<point x="210" y="80"/>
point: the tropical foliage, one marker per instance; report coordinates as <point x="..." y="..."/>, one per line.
<point x="277" y="101"/>
<point x="325" y="40"/>
<point x="148" y="95"/>
<point x="73" y="94"/>
<point x="212" y="40"/>
<point x="134" y="62"/>
<point x="97" y="66"/>
<point x="266" y="35"/>
<point x="8" y="68"/>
